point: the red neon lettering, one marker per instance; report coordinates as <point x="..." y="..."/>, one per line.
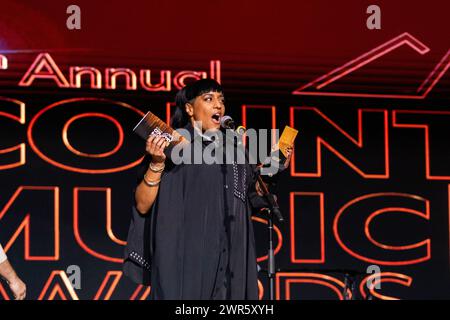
<point x="94" y="75"/>
<point x="113" y="73"/>
<point x="58" y="284"/>
<point x="76" y="224"/>
<point x="3" y="62"/>
<point x="18" y="151"/>
<point x="327" y="133"/>
<point x="44" y="67"/>
<point x="434" y="124"/>
<point x="41" y="229"/>
<point x="84" y="102"/>
<point x="360" y="212"/>
<point x="378" y="278"/>
<point x="287" y="278"/>
<point x="163" y="85"/>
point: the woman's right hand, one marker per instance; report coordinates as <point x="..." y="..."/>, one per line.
<point x="155" y="147"/>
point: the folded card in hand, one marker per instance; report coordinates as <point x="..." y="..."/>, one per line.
<point x="152" y="125"/>
<point x="287" y="139"/>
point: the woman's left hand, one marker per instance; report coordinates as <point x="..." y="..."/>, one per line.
<point x="289" y="156"/>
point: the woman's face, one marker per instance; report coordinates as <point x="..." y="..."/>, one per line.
<point x="207" y="108"/>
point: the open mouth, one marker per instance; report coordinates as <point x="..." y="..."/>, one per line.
<point x="216" y="118"/>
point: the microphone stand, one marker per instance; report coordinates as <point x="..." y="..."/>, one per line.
<point x="272" y="210"/>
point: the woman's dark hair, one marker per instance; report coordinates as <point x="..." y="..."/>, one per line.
<point x="188" y="94"/>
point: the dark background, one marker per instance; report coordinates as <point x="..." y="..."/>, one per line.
<point x="267" y="50"/>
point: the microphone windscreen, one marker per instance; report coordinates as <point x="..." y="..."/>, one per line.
<point x="226" y="122"/>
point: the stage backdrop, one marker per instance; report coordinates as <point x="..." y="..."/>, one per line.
<point x="367" y="193"/>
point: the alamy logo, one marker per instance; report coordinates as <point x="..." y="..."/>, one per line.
<point x="73" y="21"/>
<point x="74" y="275"/>
<point x="228" y="148"/>
<point x="374" y="20"/>
<point x="374" y="281"/>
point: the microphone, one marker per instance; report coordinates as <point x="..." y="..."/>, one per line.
<point x="226" y="122"/>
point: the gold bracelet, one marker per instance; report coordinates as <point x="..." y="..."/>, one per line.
<point x="156" y="170"/>
<point x="151" y="183"/>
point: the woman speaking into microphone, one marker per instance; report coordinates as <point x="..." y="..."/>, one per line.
<point x="191" y="235"/>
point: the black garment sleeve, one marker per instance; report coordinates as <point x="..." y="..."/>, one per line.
<point x="138" y="251"/>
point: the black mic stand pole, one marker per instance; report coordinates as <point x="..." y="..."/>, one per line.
<point x="273" y="209"/>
